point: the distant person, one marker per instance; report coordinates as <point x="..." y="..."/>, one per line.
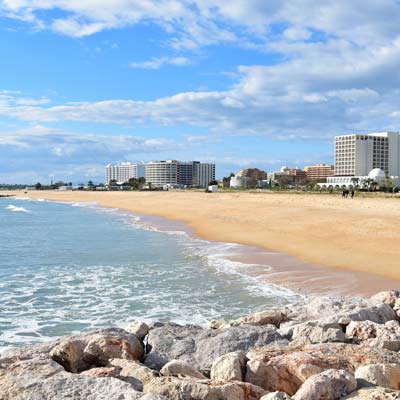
<point x="343" y="194"/>
<point x="352" y="193"/>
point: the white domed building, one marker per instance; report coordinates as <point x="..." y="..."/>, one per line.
<point x="377" y="174"/>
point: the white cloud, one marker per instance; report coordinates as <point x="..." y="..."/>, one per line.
<point x="157" y="63"/>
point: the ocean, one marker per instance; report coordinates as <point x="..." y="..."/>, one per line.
<point x="70" y="267"/>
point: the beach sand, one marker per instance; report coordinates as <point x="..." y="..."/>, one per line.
<point x="360" y="235"/>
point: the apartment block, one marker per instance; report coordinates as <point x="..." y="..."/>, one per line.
<point x="319" y="172"/>
<point x="124" y="171"/>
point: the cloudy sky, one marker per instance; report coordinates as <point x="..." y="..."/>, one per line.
<point x="241" y="82"/>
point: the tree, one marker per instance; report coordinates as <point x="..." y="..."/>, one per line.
<point x="38" y="186"/>
<point x="227" y="180"/>
<point x="112" y="182"/>
<point x="355" y="181"/>
<point x="90" y="185"/>
<point x="137" y="183"/>
<point x="211" y="183"/>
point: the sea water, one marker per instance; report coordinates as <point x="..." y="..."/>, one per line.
<point x="69" y="267"/>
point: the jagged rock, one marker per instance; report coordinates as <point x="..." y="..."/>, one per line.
<point x="139" y="329"/>
<point x="268" y="317"/>
<point x="307" y="333"/>
<point x="82" y="352"/>
<point x="229" y="367"/>
<point x="133" y="372"/>
<point x="331" y="384"/>
<point x="200" y="347"/>
<point x="181" y="369"/>
<point x="385" y="375"/>
<point x="376" y="393"/>
<point x="102" y="372"/>
<point x="388" y="297"/>
<point x="276" y="396"/>
<point x="192" y="389"/>
<point x="286" y="369"/>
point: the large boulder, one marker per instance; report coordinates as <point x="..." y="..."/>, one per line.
<point x="201" y="347"/>
<point x="385" y="375"/>
<point x="374" y="393"/>
<point x="286" y="369"/>
<point x="139" y="329"/>
<point x="387" y="297"/>
<point x="331" y="384"/>
<point x="181" y="369"/>
<point x="229" y="367"/>
<point x="276" y="396"/>
<point x="308" y="333"/>
<point x="193" y="389"/>
<point x="133" y="372"/>
<point x="94" y="349"/>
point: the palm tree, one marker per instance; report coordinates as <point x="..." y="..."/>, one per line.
<point x="355" y="181"/>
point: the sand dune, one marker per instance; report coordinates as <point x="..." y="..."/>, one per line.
<point x="361" y="234"/>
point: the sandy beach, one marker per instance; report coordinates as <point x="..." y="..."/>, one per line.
<point x="361" y="234"/>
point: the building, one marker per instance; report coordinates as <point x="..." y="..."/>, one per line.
<point x="203" y="174"/>
<point x="238" y="182"/>
<point x="124" y="171"/>
<point x="318" y="172"/>
<point x="253" y="173"/>
<point x="180" y="173"/>
<point x="162" y="173"/>
<point x="357" y="155"/>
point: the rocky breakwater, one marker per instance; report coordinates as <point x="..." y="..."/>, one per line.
<point x="319" y="349"/>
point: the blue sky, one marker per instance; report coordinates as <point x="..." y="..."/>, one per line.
<point x="242" y="83"/>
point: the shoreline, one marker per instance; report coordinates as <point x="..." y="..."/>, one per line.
<point x="271" y="267"/>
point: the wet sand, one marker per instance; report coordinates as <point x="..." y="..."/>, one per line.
<point x="292" y="237"/>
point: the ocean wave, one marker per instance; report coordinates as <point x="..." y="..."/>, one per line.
<point x="17" y="209"/>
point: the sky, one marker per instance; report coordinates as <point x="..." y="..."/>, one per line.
<point x="242" y="83"/>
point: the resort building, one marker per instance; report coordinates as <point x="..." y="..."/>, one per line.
<point x="319" y="172"/>
<point x="179" y="173"/>
<point x="124" y="171"/>
<point x="357" y="155"/>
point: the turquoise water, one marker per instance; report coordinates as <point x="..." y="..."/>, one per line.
<point x="66" y="268"/>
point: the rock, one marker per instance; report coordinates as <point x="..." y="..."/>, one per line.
<point x="388" y="297"/>
<point x="385" y="375"/>
<point x="376" y="393"/>
<point x="229" y="367"/>
<point x="139" y="329"/>
<point x="268" y="317"/>
<point x="102" y="372"/>
<point x="192" y="389"/>
<point x="94" y="349"/>
<point x="200" y="347"/>
<point x="133" y="372"/>
<point x="306" y="334"/>
<point x="331" y="384"/>
<point x="276" y="396"/>
<point x="181" y="369"/>
<point x="101" y="348"/>
<point x="286" y="369"/>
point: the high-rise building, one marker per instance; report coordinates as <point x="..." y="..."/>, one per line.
<point x="124" y="171"/>
<point x="203" y="174"/>
<point x="185" y="173"/>
<point x="357" y="155"/>
<point x="319" y="172"/>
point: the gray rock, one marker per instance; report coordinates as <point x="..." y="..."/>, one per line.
<point x="229" y="367"/>
<point x="384" y="375"/>
<point x="376" y="393"/>
<point x="388" y="297"/>
<point x="181" y="369"/>
<point x="139" y="329"/>
<point x="307" y="333"/>
<point x="200" y="347"/>
<point x="276" y="396"/>
<point x="331" y="384"/>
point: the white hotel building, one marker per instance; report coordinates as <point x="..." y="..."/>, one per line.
<point x="366" y="156"/>
<point x="124" y="171"/>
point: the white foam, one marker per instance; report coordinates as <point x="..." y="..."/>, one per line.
<point x="17" y="209"/>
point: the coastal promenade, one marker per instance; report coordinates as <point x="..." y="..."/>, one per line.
<point x="362" y="234"/>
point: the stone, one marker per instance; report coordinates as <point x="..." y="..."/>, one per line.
<point x="387" y="297"/>
<point x="133" y="372"/>
<point x="101" y="348"/>
<point x="287" y="368"/>
<point x="331" y="384"/>
<point x="102" y="372"/>
<point x="139" y="329"/>
<point x="181" y="369"/>
<point x="306" y="334"/>
<point x="384" y="375"/>
<point x="376" y="393"/>
<point x="229" y="367"/>
<point x="94" y="349"/>
<point x="192" y="389"/>
<point x="200" y="347"/>
<point x="276" y="396"/>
